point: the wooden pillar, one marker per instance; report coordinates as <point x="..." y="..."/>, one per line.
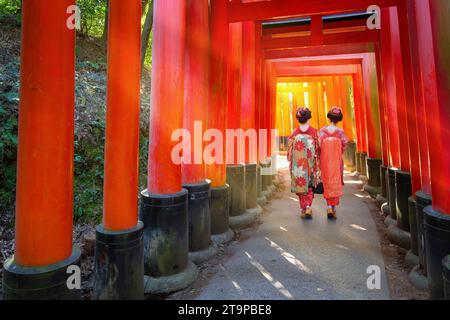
<point x="44" y="192"/>
<point x="411" y="112"/>
<point x="248" y="86"/>
<point x="122" y="117"/>
<point x="372" y="107"/>
<point x="218" y="99"/>
<point x="196" y="84"/>
<point x="389" y="87"/>
<point x="439" y="131"/>
<point x="167" y="95"/>
<point x="234" y="85"/>
<point x="44" y="196"/>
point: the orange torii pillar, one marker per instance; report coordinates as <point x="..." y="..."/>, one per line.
<point x="374" y="150"/>
<point x="272" y="126"/>
<point x="360" y="117"/>
<point x="389" y="87"/>
<point x="44" y="258"/>
<point x="235" y="153"/>
<point x="119" y="264"/>
<point x="382" y="197"/>
<point x="248" y="110"/>
<point x="164" y="205"/>
<point x="259" y="114"/>
<point x="357" y="102"/>
<point x="399" y="180"/>
<point x="422" y="197"/>
<point x="196" y="88"/>
<point x="433" y="16"/>
<point x="348" y="123"/>
<point x="217" y="121"/>
<point x="269" y="114"/>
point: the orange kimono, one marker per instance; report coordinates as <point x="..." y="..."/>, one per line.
<point x="332" y="147"/>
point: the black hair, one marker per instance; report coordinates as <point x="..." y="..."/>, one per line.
<point x="303" y="115"/>
<point x="335" y="117"/>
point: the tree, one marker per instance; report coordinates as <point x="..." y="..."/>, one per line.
<point x="148" y="25"/>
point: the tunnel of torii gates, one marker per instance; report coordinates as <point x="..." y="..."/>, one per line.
<point x="391" y="82"/>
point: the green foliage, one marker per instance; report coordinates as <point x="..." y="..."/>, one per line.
<point x="9" y="100"/>
<point x="88" y="182"/>
<point x="92" y="17"/>
<point x="9" y="7"/>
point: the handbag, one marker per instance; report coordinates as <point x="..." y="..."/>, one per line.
<point x="319" y="188"/>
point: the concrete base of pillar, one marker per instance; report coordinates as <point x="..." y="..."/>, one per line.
<point x="173" y="283"/>
<point x="199" y="209"/>
<point x="412" y="211"/>
<point x="403" y="190"/>
<point x="236" y="181"/>
<point x="349" y="156"/>
<point x="392" y="192"/>
<point x="363" y="160"/>
<point x="250" y="185"/>
<point x="422" y="201"/>
<point x="358" y="162"/>
<point x="166" y="242"/>
<point x="383" y="182"/>
<point x="373" y="186"/>
<point x="198" y="257"/>
<point x="224" y="238"/>
<point x="388" y="221"/>
<point x="245" y="220"/>
<point x="381" y="200"/>
<point x="372" y="191"/>
<point x="119" y="264"/>
<point x="399" y="237"/>
<point x="220" y="210"/>
<point x="411" y="259"/>
<point x="446" y="276"/>
<point x="262" y="201"/>
<point x="386" y="209"/>
<point x="418" y="279"/>
<point x="437" y="244"/>
<point x="40" y="283"/>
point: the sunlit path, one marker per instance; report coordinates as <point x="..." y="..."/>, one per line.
<point x="289" y="258"/>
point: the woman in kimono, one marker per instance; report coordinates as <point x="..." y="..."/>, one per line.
<point x="332" y="141"/>
<point x="302" y="155"/>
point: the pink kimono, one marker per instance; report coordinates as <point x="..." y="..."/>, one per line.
<point x="332" y="147"/>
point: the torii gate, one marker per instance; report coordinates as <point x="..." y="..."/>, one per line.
<point x="412" y="41"/>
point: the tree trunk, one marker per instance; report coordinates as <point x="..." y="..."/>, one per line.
<point x="105" y="27"/>
<point x="148" y="25"/>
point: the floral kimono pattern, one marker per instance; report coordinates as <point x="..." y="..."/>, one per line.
<point x="302" y="157"/>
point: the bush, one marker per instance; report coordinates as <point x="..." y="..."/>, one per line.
<point x="10" y="7"/>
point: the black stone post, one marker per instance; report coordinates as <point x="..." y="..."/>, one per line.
<point x="412" y="257"/>
<point x="446" y="276"/>
<point x="201" y="247"/>
<point x="166" y="242"/>
<point x="236" y="181"/>
<point x="422" y="201"/>
<point x="373" y="186"/>
<point x="403" y="190"/>
<point x="358" y="162"/>
<point x="119" y="264"/>
<point x="437" y="244"/>
<point x="41" y="283"/>
<point x="220" y="214"/>
<point x="350" y="156"/>
<point x="382" y="197"/>
<point x="363" y="161"/>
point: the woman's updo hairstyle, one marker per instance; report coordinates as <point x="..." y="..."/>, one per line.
<point x="303" y="115"/>
<point x="335" y="115"/>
